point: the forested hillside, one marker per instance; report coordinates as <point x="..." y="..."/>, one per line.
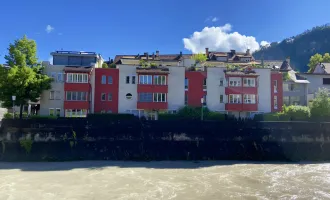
<point x="299" y="48"/>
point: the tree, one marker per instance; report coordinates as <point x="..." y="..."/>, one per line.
<point x="24" y="79"/>
<point x="199" y="58"/>
<point x="104" y="65"/>
<point x="320" y="107"/>
<point x="313" y="61"/>
<point x="112" y="65"/>
<point x="326" y="58"/>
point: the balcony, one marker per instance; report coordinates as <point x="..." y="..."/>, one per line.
<point x="152" y="105"/>
<point x="241" y="90"/>
<point x="241" y="107"/>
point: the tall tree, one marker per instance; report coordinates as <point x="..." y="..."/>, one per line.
<point x="326" y="58"/>
<point x="313" y="61"/>
<point x="24" y="79"/>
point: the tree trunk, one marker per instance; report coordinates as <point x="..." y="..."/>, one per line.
<point x="21" y="111"/>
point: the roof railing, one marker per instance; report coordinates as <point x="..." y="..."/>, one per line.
<point x="76" y="52"/>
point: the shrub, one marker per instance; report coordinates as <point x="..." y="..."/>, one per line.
<point x="104" y="65"/>
<point x="297" y="112"/>
<point x="112" y="65"/>
<point x="43" y="117"/>
<point x="320" y="107"/>
<point x="271" y="117"/>
<point x="215" y="116"/>
<point x="8" y="115"/>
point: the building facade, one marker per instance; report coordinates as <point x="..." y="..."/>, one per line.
<point x="146" y="85"/>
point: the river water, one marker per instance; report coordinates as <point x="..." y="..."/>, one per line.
<point x="163" y="180"/>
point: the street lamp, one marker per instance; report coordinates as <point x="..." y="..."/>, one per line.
<point x="13" y="98"/>
<point x="202" y="101"/>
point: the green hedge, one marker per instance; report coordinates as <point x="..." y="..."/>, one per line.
<point x="10" y="115"/>
<point x="297" y="112"/>
<point x="43" y="117"/>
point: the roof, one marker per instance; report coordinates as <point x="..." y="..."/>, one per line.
<point x="285" y="65"/>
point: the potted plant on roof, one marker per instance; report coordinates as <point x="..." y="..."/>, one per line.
<point x="143" y="63"/>
<point x="153" y="65"/>
<point x="199" y="58"/>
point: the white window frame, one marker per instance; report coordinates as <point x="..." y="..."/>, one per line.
<point x="249" y="99"/>
<point x="249" y="82"/>
<point x="221" y="83"/>
<point x="60" y="77"/>
<point x="159" y="80"/>
<point x="104" y="79"/>
<point x="76" y="112"/>
<point x="159" y="97"/>
<point x="57" y="95"/>
<point x="52" y="95"/>
<point x="133" y="80"/>
<point x="275" y="86"/>
<point x="223" y="98"/>
<point x="235" y="99"/>
<point x="144" y="79"/>
<point x="76" y="78"/>
<point x="80" y="96"/>
<point x="234" y="83"/>
<point x="110" y="80"/>
<point x="127" y="80"/>
<point x="275" y="102"/>
<point x="51" y="112"/>
<point x="58" y="109"/>
<point x="109" y="95"/>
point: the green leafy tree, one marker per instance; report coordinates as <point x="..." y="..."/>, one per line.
<point x="199" y="58"/>
<point x="326" y="58"/>
<point x="104" y="65"/>
<point x="143" y="63"/>
<point x="313" y="61"/>
<point x="112" y="65"/>
<point x="320" y="107"/>
<point x="24" y="79"/>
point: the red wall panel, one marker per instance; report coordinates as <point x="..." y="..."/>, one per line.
<point x="276" y="76"/>
<point x="195" y="87"/>
<point x="106" y="88"/>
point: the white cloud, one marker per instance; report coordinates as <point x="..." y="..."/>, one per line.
<point x="49" y="29"/>
<point x="212" y="19"/>
<point x="264" y="43"/>
<point x="219" y="39"/>
<point x="215" y="19"/>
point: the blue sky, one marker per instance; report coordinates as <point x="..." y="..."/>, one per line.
<point x="131" y="27"/>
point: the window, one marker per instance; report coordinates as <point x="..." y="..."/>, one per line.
<point x="145" y="97"/>
<point x="326" y="81"/>
<point x="145" y="79"/>
<point x="52" y="95"/>
<point x="275" y="86"/>
<point x="186" y="83"/>
<point x="51" y="112"/>
<point x="109" y="96"/>
<point x="133" y="79"/>
<point x="58" y="112"/>
<point x="57" y="95"/>
<point x="127" y="79"/>
<point x="60" y="77"/>
<point x="294" y="100"/>
<point x="76" y="112"/>
<point x="129" y="96"/>
<point x="109" y="79"/>
<point x="234" y="83"/>
<point x="102" y="111"/>
<point x="221" y="82"/>
<point x="249" y="98"/>
<point x="76" y="96"/>
<point x="249" y="82"/>
<point x="76" y="78"/>
<point x="159" y="97"/>
<point x="53" y="75"/>
<point x="104" y="79"/>
<point x="103" y="97"/>
<point x="234" y="98"/>
<point x="286" y="87"/>
<point x="221" y="98"/>
<point x="204" y="84"/>
<point x="275" y="102"/>
<point x="294" y="87"/>
<point x="159" y="80"/>
<point x="186" y="99"/>
<point x="109" y="111"/>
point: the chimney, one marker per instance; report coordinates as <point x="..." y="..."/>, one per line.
<point x="233" y="52"/>
<point x="153" y="56"/>
<point x="207" y="51"/>
<point x="111" y="61"/>
<point x="248" y="52"/>
<point x="180" y="53"/>
<point x="157" y="53"/>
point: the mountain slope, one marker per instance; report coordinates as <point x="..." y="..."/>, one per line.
<point x="299" y="48"/>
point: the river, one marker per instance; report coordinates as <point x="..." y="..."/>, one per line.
<point x="203" y="180"/>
